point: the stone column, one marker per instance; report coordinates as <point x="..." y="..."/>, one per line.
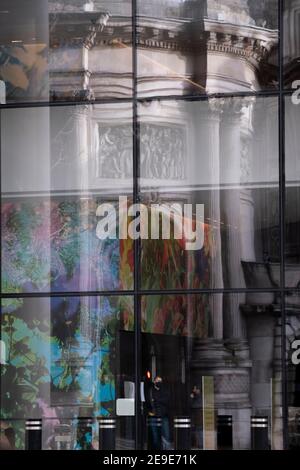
<point x="230" y="138"/>
<point x="234" y="329"/>
<point x="209" y="356"/>
<point x="80" y="181"/>
<point x="246" y="171"/>
<point x="207" y="132"/>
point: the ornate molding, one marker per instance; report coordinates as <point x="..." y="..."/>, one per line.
<point x="178" y="35"/>
<point x="245" y="41"/>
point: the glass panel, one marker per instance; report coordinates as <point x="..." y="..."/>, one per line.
<point x="63" y="363"/>
<point x="293" y="367"/>
<point x="59" y="165"/>
<point x="291" y="52"/>
<point x="65" y="50"/>
<point x="193" y="47"/>
<point x="212" y="371"/>
<point x="207" y="156"/>
<point x="292" y="208"/>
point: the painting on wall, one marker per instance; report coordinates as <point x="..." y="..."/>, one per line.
<point x="51" y="244"/>
<point x="60" y="357"/>
<point x="61" y="350"/>
<point x="177" y="315"/>
<point x="166" y="264"/>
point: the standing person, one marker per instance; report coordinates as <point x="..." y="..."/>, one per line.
<point x="197" y="416"/>
<point x="157" y="401"/>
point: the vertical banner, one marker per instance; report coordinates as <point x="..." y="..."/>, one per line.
<point x="209" y="420"/>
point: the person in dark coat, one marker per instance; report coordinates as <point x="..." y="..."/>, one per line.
<point x="197" y="416"/>
<point x="157" y="402"/>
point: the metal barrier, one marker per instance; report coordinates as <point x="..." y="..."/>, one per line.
<point x="224" y="432"/>
<point x="33" y="434"/>
<point x="182" y="428"/>
<point x="259" y="433"/>
<point x="107" y="433"/>
<point x="85" y="433"/>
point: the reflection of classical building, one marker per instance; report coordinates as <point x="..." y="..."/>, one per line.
<point x="84" y="49"/>
<point x="185" y="48"/>
<point x="208" y="152"/>
<point x="79" y="36"/>
<point x="193" y="49"/>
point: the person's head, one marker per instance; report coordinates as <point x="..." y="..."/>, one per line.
<point x="157" y="380"/>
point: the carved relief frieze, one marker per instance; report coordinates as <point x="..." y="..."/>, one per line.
<point x="162" y="151"/>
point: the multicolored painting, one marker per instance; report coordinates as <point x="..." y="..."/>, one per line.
<point x="61" y="351"/>
<point x="51" y="244"/>
<point x="179" y="315"/>
<point x="166" y="264"/>
<point x="60" y="357"/>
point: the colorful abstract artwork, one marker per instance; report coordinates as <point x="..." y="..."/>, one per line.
<point x="61" y="351"/>
<point x="166" y="264"/>
<point x="51" y="244"/>
<point x="60" y="358"/>
<point x="177" y="315"/>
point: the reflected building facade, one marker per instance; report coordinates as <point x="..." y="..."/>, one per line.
<point x="164" y="102"/>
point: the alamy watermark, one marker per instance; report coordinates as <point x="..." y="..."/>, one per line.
<point x="296" y="353"/>
<point x="296" y="93"/>
<point x="157" y="221"/>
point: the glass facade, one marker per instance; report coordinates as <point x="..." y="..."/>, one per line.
<point x="124" y="118"/>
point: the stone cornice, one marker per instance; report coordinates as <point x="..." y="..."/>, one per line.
<point x="166" y="30"/>
<point x="254" y="32"/>
<point x="78" y="29"/>
<point x="245" y="41"/>
<point x="192" y="37"/>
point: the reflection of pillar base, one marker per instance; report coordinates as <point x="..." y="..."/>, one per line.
<point x="241" y="431"/>
<point x="230" y="368"/>
<point x="209" y="354"/>
<point x="277" y="418"/>
<point x="264" y="331"/>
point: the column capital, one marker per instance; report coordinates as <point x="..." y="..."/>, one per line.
<point x="235" y="107"/>
<point x="232" y="108"/>
<point x="216" y="105"/>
